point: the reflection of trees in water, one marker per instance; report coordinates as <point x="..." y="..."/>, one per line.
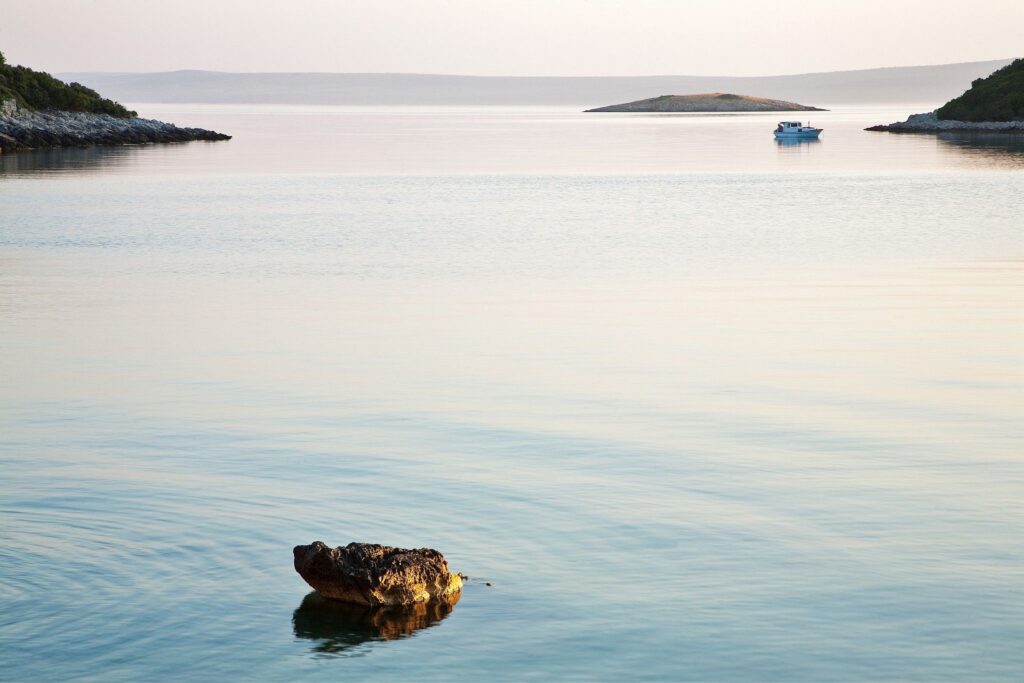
<point x="338" y="626"/>
<point x="998" y="149"/>
<point x="67" y="159"/>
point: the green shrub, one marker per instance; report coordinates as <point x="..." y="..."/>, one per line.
<point x="999" y="97"/>
<point x="38" y="90"/>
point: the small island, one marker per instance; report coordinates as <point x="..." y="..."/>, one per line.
<point x="991" y="104"/>
<point x="38" y="110"/>
<point x="706" y="102"/>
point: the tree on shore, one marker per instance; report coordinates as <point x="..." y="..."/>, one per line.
<point x="997" y="97"/>
<point x="39" y="90"/>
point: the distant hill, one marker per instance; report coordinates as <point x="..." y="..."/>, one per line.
<point x="39" y="90"/>
<point x="705" y="102"/>
<point x="915" y="84"/>
<point x="999" y="97"/>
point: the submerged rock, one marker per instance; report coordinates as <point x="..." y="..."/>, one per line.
<point x="375" y="575"/>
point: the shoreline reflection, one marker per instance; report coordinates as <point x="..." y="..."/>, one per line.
<point x="982" y="149"/>
<point x="67" y="159"/>
<point x="982" y="139"/>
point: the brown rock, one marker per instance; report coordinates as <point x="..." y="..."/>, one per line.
<point x="374" y="575"/>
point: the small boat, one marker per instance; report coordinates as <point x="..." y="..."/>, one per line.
<point x="794" y="130"/>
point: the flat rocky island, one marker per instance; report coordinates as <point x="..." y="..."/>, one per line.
<point x="706" y="102"/>
<point x="38" y="110"/>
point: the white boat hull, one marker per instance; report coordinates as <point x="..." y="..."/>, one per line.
<point x="799" y="135"/>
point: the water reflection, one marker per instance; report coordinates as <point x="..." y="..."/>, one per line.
<point x="999" y="149"/>
<point x="797" y="143"/>
<point x="339" y="628"/>
<point x="64" y="159"/>
<point x="418" y="141"/>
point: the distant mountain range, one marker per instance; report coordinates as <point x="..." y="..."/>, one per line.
<point x="917" y="84"/>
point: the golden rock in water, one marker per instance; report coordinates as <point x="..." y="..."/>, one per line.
<point x="377" y="575"/>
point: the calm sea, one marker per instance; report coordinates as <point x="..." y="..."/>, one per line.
<point x="686" y="404"/>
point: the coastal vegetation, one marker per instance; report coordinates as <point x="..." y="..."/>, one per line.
<point x="38" y="90"/>
<point x="998" y="97"/>
<point x="50" y="113"/>
<point x="992" y="104"/>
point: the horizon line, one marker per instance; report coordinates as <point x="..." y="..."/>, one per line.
<point x="458" y="75"/>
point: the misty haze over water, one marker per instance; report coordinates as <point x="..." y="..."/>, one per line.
<point x="873" y="86"/>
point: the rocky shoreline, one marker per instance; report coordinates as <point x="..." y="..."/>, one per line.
<point x="24" y="130"/>
<point x="931" y="123"/>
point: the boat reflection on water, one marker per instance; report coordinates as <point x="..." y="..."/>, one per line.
<point x="796" y="142"/>
<point x="339" y="628"/>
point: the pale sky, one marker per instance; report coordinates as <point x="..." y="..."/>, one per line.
<point x="507" y="37"/>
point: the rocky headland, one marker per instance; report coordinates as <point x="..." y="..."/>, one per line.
<point x="706" y="102"/>
<point x="377" y="575"/>
<point x="22" y="130"/>
<point x="994" y="104"/>
<point x="39" y="111"/>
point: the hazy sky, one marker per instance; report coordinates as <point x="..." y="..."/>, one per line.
<point x="507" y="37"/>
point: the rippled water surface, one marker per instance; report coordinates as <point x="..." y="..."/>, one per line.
<point x="697" y="406"/>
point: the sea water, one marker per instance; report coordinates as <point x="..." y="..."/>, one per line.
<point x="686" y="404"/>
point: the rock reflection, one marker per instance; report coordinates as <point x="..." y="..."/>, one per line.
<point x="338" y="627"/>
